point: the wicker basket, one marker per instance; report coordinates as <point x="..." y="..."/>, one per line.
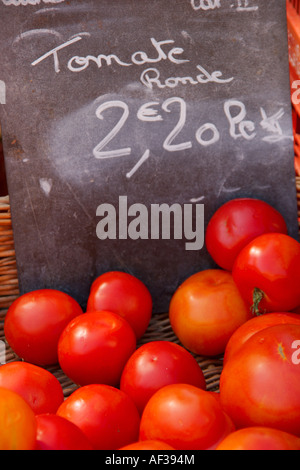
<point x="159" y="328"/>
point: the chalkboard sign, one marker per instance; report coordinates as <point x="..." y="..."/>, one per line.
<point x="127" y="123"/>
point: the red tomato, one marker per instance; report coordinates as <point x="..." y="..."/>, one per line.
<point x="106" y="415"/>
<point x="17" y="422"/>
<point x="57" y="433"/>
<point x="237" y="223"/>
<point x="260" y="438"/>
<point x="256" y="324"/>
<point x="260" y="385"/>
<point x="155" y="365"/>
<point x="206" y="310"/>
<point x="267" y="272"/>
<point x="124" y="294"/>
<point x="95" y="347"/>
<point x="34" y="323"/>
<point x="148" y="445"/>
<point x="185" y="417"/>
<point x="37" y="386"/>
<point x="216" y="396"/>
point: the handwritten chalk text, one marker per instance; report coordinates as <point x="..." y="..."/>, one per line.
<point x="151" y="78"/>
<point x="238" y="5"/>
<point x="80" y="63"/>
<point x="165" y="50"/>
<point x="239" y="127"/>
<point x="205" y="4"/>
<point x="17" y="3"/>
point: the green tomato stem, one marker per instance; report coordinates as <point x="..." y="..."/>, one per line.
<point x="258" y="296"/>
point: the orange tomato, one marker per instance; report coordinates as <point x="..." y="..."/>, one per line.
<point x="17" y="422"/>
<point x="206" y="310"/>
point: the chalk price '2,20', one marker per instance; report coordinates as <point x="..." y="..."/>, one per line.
<point x="206" y="135"/>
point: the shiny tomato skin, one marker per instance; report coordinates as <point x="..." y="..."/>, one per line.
<point x="270" y="264"/>
<point x="106" y="415"/>
<point x="185" y="417"/>
<point x="260" y="385"/>
<point x="57" y="433"/>
<point x="35" y="321"/>
<point x="260" y="438"/>
<point x="17" y="422"/>
<point x="235" y="224"/>
<point x="95" y="347"/>
<point x="148" y="445"/>
<point x="156" y="364"/>
<point x="124" y="294"/>
<point x="256" y="324"/>
<point x="37" y="386"/>
<point x="206" y="310"/>
<point x="216" y="396"/>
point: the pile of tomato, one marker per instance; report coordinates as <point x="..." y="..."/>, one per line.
<point x="154" y="396"/>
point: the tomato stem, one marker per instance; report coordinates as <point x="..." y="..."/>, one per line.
<point x="258" y="296"/>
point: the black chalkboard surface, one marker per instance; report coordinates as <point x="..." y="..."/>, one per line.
<point x="127" y="123"/>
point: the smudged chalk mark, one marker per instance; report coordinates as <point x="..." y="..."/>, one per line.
<point x="46" y="186"/>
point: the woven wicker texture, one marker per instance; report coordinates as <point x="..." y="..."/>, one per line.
<point x="159" y="328"/>
<point x="8" y="269"/>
